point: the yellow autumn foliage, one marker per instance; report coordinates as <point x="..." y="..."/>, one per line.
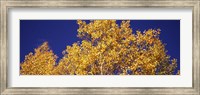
<point x="42" y="62"/>
<point x="106" y="49"/>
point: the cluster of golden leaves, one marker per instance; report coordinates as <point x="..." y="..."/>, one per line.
<point x="42" y="62"/>
<point x="106" y="49"/>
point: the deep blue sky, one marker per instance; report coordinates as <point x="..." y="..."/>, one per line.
<point x="60" y="33"/>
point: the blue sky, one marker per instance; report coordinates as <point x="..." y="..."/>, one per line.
<point x="60" y="33"/>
